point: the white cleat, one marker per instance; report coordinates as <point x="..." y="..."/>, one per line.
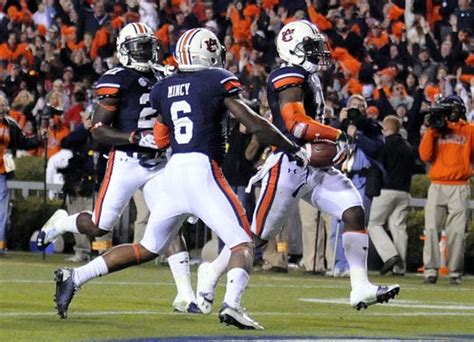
<point x="238" y="318"/>
<point x="48" y="233"/>
<point x="363" y="297"/>
<point x="184" y="306"/>
<point x="204" y="297"/>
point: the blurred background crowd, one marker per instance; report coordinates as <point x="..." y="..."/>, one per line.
<point x="51" y="52"/>
<point x="396" y="56"/>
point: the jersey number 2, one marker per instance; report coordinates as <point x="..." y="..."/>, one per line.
<point x="183" y="127"/>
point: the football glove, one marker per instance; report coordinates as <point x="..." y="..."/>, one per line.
<point x="301" y="156"/>
<point x="143" y="138"/>
<point x="342" y="149"/>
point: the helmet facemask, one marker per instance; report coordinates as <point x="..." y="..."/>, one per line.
<point x="313" y="50"/>
<point x="141" y="51"/>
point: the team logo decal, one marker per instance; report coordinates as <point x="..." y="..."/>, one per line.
<point x="142" y="82"/>
<point x="287" y="35"/>
<point x="211" y="45"/>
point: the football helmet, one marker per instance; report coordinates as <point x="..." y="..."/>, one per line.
<point x="300" y="43"/>
<point x="198" y="49"/>
<point x="137" y="47"/>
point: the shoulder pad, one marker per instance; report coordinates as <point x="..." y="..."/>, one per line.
<point x="229" y="81"/>
<point x="287" y="77"/>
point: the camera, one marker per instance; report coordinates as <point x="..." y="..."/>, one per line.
<point x="354" y="116"/>
<point x="437" y="116"/>
<point x="439" y="113"/>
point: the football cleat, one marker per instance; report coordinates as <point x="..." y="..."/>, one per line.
<point x="65" y="290"/>
<point x="204" y="297"/>
<point x="185" y="306"/>
<point x="238" y="318"/>
<point x="363" y="297"/>
<point x="48" y="232"/>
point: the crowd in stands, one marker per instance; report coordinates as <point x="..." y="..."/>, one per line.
<point x="399" y="55"/>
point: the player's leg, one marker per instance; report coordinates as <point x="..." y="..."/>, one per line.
<point x="282" y="187"/>
<point x="335" y="194"/>
<point x="122" y="178"/>
<point x="68" y="280"/>
<point x="177" y="253"/>
<point x="221" y="210"/>
<point x="158" y="235"/>
<point x="178" y="260"/>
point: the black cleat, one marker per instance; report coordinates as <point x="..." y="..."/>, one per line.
<point x="65" y="290"/>
<point x="238" y="318"/>
<point x="388" y="265"/>
<point x="364" y="297"/>
<point x="430" y="280"/>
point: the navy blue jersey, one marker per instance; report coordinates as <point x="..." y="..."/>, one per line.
<point x="192" y="105"/>
<point x="294" y="76"/>
<point x="132" y="88"/>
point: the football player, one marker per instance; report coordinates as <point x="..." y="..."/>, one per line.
<point x="123" y="119"/>
<point x="193" y="103"/>
<point x="294" y="93"/>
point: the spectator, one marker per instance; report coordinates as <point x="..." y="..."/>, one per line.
<point x="448" y="145"/>
<point x="367" y="141"/>
<point x="73" y="116"/>
<point x="12" y="50"/>
<point x="55" y="132"/>
<point x="91" y="20"/>
<point x="391" y="207"/>
<point x="11" y="140"/>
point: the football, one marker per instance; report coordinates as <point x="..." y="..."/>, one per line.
<point x="321" y="153"/>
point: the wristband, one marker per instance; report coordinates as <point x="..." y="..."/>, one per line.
<point x="132" y="138"/>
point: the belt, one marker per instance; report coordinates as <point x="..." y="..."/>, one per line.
<point x="147" y="155"/>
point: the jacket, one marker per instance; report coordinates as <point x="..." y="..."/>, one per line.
<point x="450" y="154"/>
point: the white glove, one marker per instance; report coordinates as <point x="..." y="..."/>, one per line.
<point x="301" y="156"/>
<point x="144" y="138"/>
<point x="165" y="70"/>
<point x="342" y="150"/>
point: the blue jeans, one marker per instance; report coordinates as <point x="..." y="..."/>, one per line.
<point x="4" y="200"/>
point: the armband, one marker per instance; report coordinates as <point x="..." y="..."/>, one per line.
<point x="109" y="108"/>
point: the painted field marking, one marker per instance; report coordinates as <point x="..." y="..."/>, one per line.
<point x="78" y="314"/>
<point x="410" y="304"/>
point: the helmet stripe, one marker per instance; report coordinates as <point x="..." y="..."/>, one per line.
<point x="135" y="28"/>
<point x="141" y="28"/>
<point x="179" y="47"/>
<point x="184" y="45"/>
<point x="189" y="45"/>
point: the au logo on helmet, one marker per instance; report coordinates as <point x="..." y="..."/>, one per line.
<point x="211" y="44"/>
<point x="287" y="35"/>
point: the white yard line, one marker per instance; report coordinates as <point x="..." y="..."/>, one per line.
<point x="398" y="303"/>
<point x="78" y="314"/>
<point x="222" y="284"/>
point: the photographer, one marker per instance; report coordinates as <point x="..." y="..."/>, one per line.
<point x="448" y="145"/>
<point x="11" y="139"/>
<point x="366" y="139"/>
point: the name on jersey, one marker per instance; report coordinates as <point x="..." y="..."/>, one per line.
<point x="178" y="90"/>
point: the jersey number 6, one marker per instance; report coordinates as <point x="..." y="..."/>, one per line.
<point x="183" y="127"/>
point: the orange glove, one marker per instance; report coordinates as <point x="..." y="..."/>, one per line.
<point x="161" y="134"/>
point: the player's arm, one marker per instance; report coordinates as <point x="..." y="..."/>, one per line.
<point x="265" y="132"/>
<point x="102" y="119"/>
<point x="296" y="120"/>
<point x="103" y="132"/>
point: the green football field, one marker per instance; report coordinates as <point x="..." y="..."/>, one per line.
<point x="136" y="303"/>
